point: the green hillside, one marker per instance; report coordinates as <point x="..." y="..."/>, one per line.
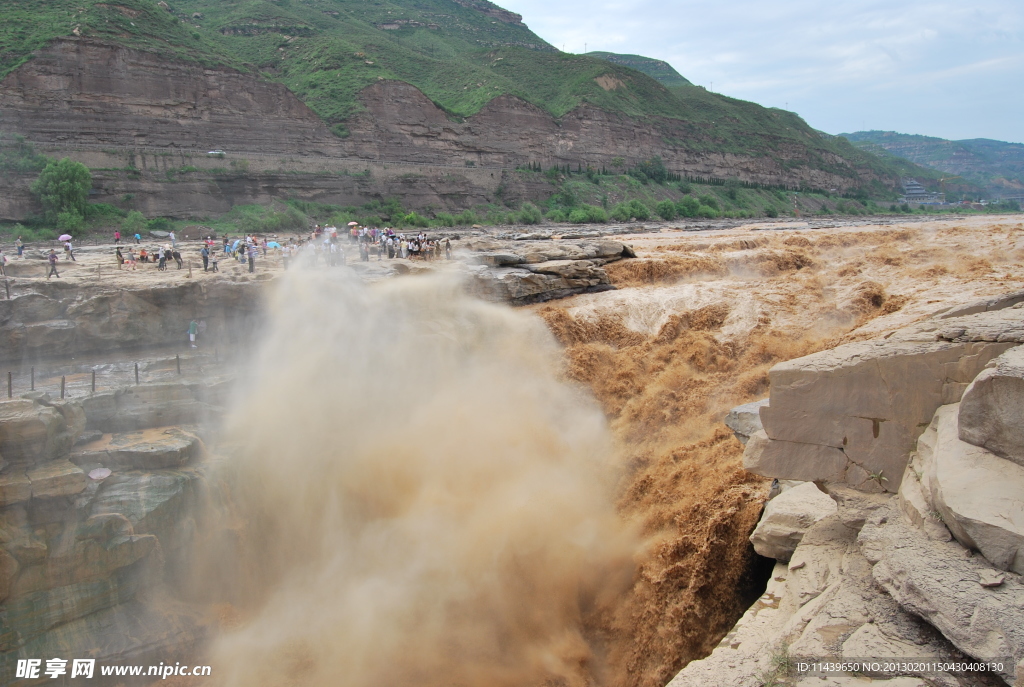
<point x="657" y="69"/>
<point x="460" y="53"/>
<point x="996" y="166"/>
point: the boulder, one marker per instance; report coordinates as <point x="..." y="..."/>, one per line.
<point x="31" y="432"/>
<point x="941" y="583"/>
<point x="745" y="420"/>
<point x="149" y="449"/>
<point x="992" y="408"/>
<point x="787" y="517"/>
<point x="859" y="408"/>
<point x="979" y="495"/>
<point x="56" y="478"/>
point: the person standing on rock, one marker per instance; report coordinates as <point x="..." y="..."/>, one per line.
<point x="3" y="264"/>
<point x="213" y="256"/>
<point x="69" y="252"/>
<point x="205" y="252"/>
<point x="161" y="259"/>
<point x="138" y="239"/>
<point x="447" y="249"/>
<point x="118" y="257"/>
<point x="131" y="258"/>
<point x="52" y="259"/>
<point x="117" y="237"/>
<point x="21" y="247"/>
<point x="193" y="331"/>
<point x="174" y="242"/>
<point x="252" y="258"/>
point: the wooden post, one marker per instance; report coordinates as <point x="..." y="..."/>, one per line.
<point x="33" y="385"/>
<point x="136" y="373"/>
<point x="7" y="285"/>
<point x="177" y="360"/>
<point x="10" y="386"/>
<point x="94" y="381"/>
<point x="63" y="380"/>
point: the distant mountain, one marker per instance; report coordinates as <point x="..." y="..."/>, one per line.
<point x="657" y="69"/>
<point x="996" y="166"/>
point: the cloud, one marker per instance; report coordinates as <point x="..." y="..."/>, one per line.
<point x="938" y="67"/>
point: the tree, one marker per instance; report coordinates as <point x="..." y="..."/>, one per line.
<point x="134" y="223"/>
<point x="63" y="188"/>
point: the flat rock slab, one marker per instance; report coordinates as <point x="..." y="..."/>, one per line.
<point x="979" y="495"/>
<point x="992" y="408"/>
<point x="31" y="432"/>
<point x="148" y="449"/>
<point x="56" y="478"/>
<point x="939" y="582"/>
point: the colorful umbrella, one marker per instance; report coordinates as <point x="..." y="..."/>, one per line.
<point x="273" y="244"/>
<point x="64" y="237"/>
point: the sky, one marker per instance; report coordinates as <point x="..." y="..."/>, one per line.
<point x="934" y="67"/>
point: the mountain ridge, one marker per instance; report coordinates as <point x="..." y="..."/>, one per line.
<point x="997" y="166"/>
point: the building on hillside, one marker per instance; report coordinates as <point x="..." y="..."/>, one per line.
<point x="914" y="192"/>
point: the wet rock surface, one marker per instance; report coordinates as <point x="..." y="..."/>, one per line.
<point x="83" y="560"/>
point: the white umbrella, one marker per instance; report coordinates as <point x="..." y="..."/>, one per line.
<point x="64" y="237"/>
<point x="353" y="224"/>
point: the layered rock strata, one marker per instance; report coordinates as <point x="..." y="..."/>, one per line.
<point x="90" y="534"/>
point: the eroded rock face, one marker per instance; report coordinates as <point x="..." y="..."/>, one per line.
<point x="786" y="519"/>
<point x="99" y="317"/>
<point x="992" y="409"/>
<point x="76" y="553"/>
<point x="90" y="92"/>
<point x="853" y="414"/>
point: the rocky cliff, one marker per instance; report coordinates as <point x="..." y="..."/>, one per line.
<point x="917" y="559"/>
<point x="93" y="96"/>
<point x="97" y="507"/>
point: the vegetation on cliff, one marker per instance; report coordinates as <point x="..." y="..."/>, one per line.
<point x="460" y="54"/>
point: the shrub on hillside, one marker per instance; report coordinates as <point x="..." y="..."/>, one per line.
<point x="466" y="218"/>
<point x="588" y="214"/>
<point x="444" y="219"/>
<point x="529" y="214"/>
<point x="710" y="201"/>
<point x="707" y="212"/>
<point x="666" y="209"/>
<point x="770" y="211"/>
<point x="685" y="187"/>
<point x="688" y="207"/>
<point x="633" y="209"/>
